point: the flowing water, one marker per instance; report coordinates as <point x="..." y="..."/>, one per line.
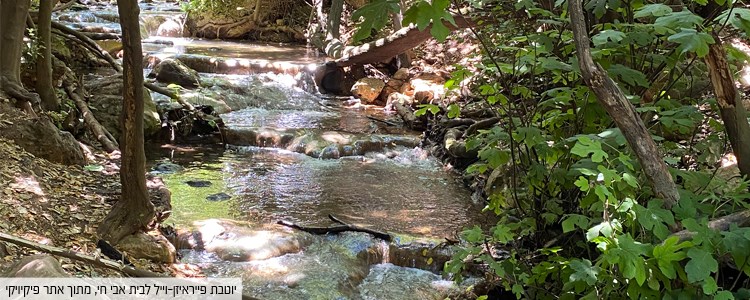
<point x="296" y="156"/>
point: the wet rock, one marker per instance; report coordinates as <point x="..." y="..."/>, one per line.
<point x="37" y="266"/>
<point x="232" y="241"/>
<point x="262" y="137"/>
<point x="218" y="197"/>
<point x="198" y="183"/>
<point x="41" y="138"/>
<point x="174" y="71"/>
<point x="420" y="255"/>
<point x="368" y="89"/>
<point x="107" y="106"/>
<point x="152" y="247"/>
<point x="167" y="167"/>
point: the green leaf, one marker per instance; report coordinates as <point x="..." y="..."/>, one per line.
<point x="631" y="261"/>
<point x="724" y="295"/>
<point x="423" y="14"/>
<point x="684" y="19"/>
<point x="628" y="75"/>
<point x="454" y="111"/>
<point x="668" y="254"/>
<point x="709" y="286"/>
<point x="582" y="183"/>
<point x="654" y="218"/>
<point x="474" y="235"/>
<point x="607" y="35"/>
<point x="374" y="16"/>
<point x="701" y="265"/>
<point x="584" y="271"/>
<point x="740" y="18"/>
<point x="502" y="234"/>
<point x="585" y="146"/>
<point x="655" y="10"/>
<point x="494" y="157"/>
<point x="691" y="40"/>
<point x="572" y="221"/>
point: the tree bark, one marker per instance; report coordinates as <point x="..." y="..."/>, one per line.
<point x="13" y="18"/>
<point x="334" y="19"/>
<point x="730" y="105"/>
<point x="12" y="23"/>
<point x="44" y="85"/>
<point x="134" y="211"/>
<point x="621" y="111"/>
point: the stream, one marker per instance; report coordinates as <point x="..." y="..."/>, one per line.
<point x="292" y="154"/>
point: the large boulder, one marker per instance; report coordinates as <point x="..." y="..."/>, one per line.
<point x="41" y="138"/>
<point x="107" y="106"/>
<point x="37" y="266"/>
<point x="174" y="71"/>
<point x="368" y="89"/>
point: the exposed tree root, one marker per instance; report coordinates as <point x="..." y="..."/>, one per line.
<point x="101" y="133"/>
<point x="89" y="44"/>
<point x="26" y="99"/>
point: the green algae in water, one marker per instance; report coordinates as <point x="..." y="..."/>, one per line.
<point x="189" y="204"/>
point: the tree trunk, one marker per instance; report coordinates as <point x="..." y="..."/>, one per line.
<point x="334" y="19"/>
<point x="44" y="85"/>
<point x="730" y="105"/>
<point x="13" y="22"/>
<point x="404" y="59"/>
<point x="13" y="18"/>
<point x="621" y="111"/>
<point x="134" y="211"/>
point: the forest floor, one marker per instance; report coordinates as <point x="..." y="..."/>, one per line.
<point x="57" y="205"/>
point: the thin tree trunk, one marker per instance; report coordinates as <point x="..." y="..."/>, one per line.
<point x="621" y="111"/>
<point x="44" y="85"/>
<point x="334" y="19"/>
<point x="730" y="106"/>
<point x="404" y="59"/>
<point x="134" y="211"/>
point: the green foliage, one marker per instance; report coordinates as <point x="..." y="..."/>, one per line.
<point x="576" y="217"/>
<point x="374" y="16"/>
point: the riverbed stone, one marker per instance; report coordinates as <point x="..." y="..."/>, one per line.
<point x="154" y="247"/>
<point x="172" y="71"/>
<point x="43" y="265"/>
<point x="368" y="89"/>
